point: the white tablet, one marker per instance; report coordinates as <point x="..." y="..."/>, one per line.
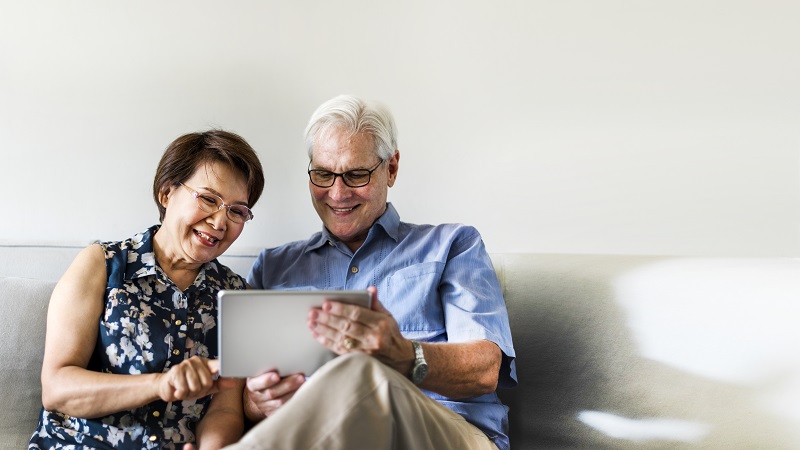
<point x="263" y="330"/>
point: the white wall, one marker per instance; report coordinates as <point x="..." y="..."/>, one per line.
<point x="578" y="126"/>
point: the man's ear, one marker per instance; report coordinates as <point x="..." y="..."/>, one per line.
<point x="394" y="166"/>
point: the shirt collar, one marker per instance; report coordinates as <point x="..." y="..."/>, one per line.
<point x="389" y="221"/>
<point x="144" y="264"/>
<point x="141" y="260"/>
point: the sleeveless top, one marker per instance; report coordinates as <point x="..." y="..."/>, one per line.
<point x="148" y="326"/>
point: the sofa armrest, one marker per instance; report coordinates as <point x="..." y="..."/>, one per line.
<point x="23" y="319"/>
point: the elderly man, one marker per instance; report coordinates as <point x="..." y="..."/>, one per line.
<point x="420" y="368"/>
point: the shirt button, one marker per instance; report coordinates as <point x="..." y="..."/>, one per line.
<point x="176" y="352"/>
<point x="156" y="413"/>
<point x="153" y="438"/>
<point x="354" y="269"/>
<point x="178" y="322"/>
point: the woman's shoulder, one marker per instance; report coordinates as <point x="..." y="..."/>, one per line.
<point x="223" y="277"/>
<point x="136" y="242"/>
<point x="89" y="259"/>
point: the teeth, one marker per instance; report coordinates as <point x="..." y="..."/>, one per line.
<point x="342" y="209"/>
<point x="205" y="236"/>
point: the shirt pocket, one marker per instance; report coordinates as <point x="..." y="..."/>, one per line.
<point x="413" y="299"/>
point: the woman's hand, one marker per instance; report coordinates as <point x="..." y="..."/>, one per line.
<point x="193" y="378"/>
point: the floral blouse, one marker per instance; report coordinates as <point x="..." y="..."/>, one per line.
<point x="149" y="325"/>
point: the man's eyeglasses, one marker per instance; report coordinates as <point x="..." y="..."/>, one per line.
<point x="352" y="178"/>
<point x="212" y="203"/>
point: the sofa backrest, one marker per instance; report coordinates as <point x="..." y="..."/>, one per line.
<point x="50" y="261"/>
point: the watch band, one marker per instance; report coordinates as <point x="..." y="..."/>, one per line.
<point x="418" y="354"/>
<point x="420" y="368"/>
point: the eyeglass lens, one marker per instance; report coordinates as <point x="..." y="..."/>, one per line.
<point x="211" y="203"/>
<point x="352" y="178"/>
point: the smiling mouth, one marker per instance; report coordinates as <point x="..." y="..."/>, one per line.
<point x="206" y="237"/>
<point x="342" y="210"/>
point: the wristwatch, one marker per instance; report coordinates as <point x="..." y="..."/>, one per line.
<point x="420" y="368"/>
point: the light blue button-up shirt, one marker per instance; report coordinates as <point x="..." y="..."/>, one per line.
<point x="437" y="281"/>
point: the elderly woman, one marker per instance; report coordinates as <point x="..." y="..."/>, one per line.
<point x="131" y="327"/>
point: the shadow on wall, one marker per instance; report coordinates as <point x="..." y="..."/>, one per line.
<point x="580" y="326"/>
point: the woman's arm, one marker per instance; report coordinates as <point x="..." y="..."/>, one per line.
<point x="72" y="327"/>
<point x="223" y="424"/>
<point x="73" y="316"/>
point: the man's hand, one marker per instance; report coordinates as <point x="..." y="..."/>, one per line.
<point x="346" y="328"/>
<point x="267" y="392"/>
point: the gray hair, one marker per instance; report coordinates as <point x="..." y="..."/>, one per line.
<point x="354" y="115"/>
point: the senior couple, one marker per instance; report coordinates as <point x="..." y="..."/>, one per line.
<point x="131" y="329"/>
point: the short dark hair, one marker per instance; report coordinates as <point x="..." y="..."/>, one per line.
<point x="189" y="152"/>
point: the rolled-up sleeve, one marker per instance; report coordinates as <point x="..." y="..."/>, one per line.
<point x="473" y="301"/>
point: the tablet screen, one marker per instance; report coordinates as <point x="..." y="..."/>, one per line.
<point x="264" y="330"/>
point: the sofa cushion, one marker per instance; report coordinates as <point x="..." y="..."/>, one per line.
<point x="653" y="352"/>
<point x="23" y="319"/>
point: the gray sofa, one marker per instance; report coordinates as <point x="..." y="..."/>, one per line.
<point x="612" y="351"/>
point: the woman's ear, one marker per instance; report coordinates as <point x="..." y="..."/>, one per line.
<point x="163" y="197"/>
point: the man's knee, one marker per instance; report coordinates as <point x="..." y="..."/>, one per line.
<point x="358" y="367"/>
<point x="356" y="361"/>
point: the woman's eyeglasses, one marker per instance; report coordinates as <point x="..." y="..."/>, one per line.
<point x="212" y="203"/>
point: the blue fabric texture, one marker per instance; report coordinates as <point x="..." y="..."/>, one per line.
<point x="148" y="326"/>
<point x="437" y="281"/>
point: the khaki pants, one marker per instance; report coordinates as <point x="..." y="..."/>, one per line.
<point x="356" y="402"/>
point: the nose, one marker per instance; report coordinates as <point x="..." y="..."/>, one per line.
<point x="339" y="190"/>
<point x="219" y="219"/>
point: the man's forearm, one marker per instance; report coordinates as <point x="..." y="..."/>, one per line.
<point x="462" y="370"/>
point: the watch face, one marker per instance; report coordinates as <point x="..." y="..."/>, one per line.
<point x="419" y="373"/>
